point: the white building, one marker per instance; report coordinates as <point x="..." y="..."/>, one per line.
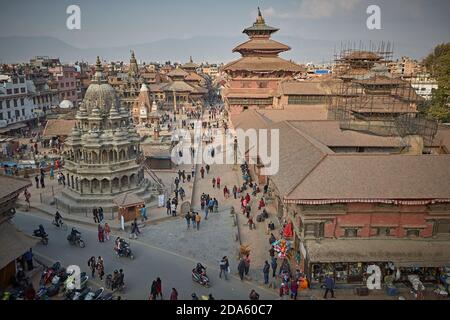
<point x="424" y="85"/>
<point x="16" y="104"/>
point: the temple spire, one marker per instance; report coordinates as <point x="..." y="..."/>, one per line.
<point x="98" y="65"/>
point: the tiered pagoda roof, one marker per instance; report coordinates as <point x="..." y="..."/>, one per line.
<point x="260" y="53"/>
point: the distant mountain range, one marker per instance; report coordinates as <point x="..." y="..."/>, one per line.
<point x="211" y="49"/>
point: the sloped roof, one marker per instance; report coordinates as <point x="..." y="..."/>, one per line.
<point x="193" y="77"/>
<point x="298" y="112"/>
<point x="177" y="85"/>
<point x="330" y="134"/>
<point x="58" y="127"/>
<point x="263" y="64"/>
<point x="405" y="252"/>
<point x="366" y="176"/>
<point x="10" y="185"/>
<point x="298" y="155"/>
<point x="128" y="200"/>
<point x="14" y="243"/>
<point x="263" y="44"/>
<point x="177" y="72"/>
<point x="249" y="119"/>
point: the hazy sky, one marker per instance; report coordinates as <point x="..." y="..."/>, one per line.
<point x="106" y="23"/>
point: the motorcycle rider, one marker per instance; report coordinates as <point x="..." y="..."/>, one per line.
<point x="58" y="219"/>
<point x="74" y="234"/>
<point x="40" y="232"/>
<point x="199" y="269"/>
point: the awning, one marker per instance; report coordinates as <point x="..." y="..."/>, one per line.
<point x="125" y="200"/>
<point x="403" y="253"/>
<point x="14" y="243"/>
<point x="14" y="126"/>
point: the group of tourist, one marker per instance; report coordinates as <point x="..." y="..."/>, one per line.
<point x="195" y="218"/>
<point x="97" y="265"/>
<point x="208" y="204"/>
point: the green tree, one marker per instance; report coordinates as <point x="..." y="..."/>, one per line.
<point x="438" y="64"/>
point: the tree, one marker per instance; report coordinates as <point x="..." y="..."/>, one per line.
<point x="438" y="64"/>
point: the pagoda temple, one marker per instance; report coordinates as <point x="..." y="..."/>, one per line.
<point x="101" y="153"/>
<point x="253" y="79"/>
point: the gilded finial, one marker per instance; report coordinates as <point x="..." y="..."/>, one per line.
<point x="260" y="19"/>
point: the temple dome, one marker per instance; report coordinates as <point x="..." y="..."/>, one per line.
<point x="101" y="95"/>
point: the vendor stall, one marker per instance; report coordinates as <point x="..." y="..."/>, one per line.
<point x="129" y="206"/>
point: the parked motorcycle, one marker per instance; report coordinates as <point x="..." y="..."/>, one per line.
<point x="95" y="295"/>
<point x="49" y="273"/>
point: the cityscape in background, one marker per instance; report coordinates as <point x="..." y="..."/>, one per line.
<point x="359" y="206"/>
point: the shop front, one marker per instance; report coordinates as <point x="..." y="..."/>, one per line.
<point x="347" y="261"/>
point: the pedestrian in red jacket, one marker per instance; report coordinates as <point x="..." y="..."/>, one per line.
<point x="174" y="294"/>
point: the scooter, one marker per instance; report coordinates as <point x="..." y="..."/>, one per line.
<point x="201" y="278"/>
<point x="49" y="273"/>
<point x="95" y="295"/>
<point x="125" y="252"/>
<point x="81" y="294"/>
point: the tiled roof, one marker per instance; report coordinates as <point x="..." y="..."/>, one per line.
<point x="263" y="64"/>
<point x="10" y="185"/>
<point x="58" y="127"/>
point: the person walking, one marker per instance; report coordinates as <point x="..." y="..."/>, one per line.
<point x="28" y="257"/>
<point x="143" y="213"/>
<point x="198" y="218"/>
<point x="168" y="207"/>
<point x="193" y="216"/>
<point x="284" y="291"/>
<point x="100" y="267"/>
<point x="226" y="192"/>
<point x="188" y="219"/>
<point x="241" y="268"/>
<point x="235" y="192"/>
<point x="223" y="267"/>
<point x="206" y="210"/>
<point x="174" y="209"/>
<point x="207" y="168"/>
<point x="182" y="193"/>
<point x="42" y="181"/>
<point x="107" y="231"/>
<point x="153" y="291"/>
<point x="193" y="171"/>
<point x="294" y="289"/>
<point x="329" y="286"/>
<point x="216" y="205"/>
<point x="202" y="172"/>
<point x="100" y="214"/>
<point x="92" y="263"/>
<point x="159" y="288"/>
<point x="95" y="215"/>
<point x="247" y="264"/>
<point x="174" y="294"/>
<point x="214" y="182"/>
<point x="274" y="267"/>
<point x="36" y="178"/>
<point x="100" y="233"/>
<point x="218" y="182"/>
<point x="266" y="270"/>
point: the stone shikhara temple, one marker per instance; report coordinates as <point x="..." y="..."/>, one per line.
<point x="101" y="154"/>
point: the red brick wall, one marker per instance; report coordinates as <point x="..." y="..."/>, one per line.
<point x="367" y="217"/>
